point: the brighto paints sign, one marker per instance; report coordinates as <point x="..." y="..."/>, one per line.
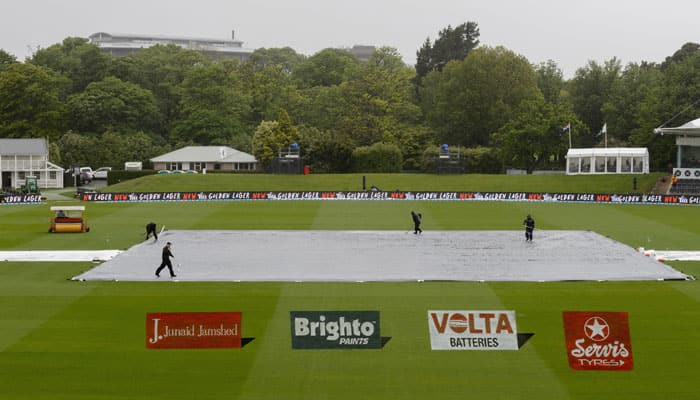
<point x="472" y="330"/>
<point x="335" y="330"/>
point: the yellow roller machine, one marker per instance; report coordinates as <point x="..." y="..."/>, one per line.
<point x="68" y="219"/>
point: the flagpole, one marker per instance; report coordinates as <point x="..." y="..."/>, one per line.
<point x="606" y="134"/>
<point x="570" y="129"/>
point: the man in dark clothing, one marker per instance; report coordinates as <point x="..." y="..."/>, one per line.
<point x="529" y="227"/>
<point x="416" y="222"/>
<point x="166" y="261"/>
<point x="151" y="229"/>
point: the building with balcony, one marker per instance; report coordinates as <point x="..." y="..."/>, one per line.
<point x="122" y="44"/>
<point x="20" y="158"/>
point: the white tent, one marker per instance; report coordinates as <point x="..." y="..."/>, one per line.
<point x="610" y="160"/>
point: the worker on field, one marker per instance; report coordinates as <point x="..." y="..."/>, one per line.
<point x="529" y="227"/>
<point x="151" y="229"/>
<point x="166" y="261"/>
<point x="417" y="217"/>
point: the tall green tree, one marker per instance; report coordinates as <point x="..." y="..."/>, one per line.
<point x="379" y="101"/>
<point x="270" y="90"/>
<point x="273" y="136"/>
<point x="161" y="70"/>
<point x="214" y="110"/>
<point x="286" y="58"/>
<point x="451" y="44"/>
<point x="30" y="102"/>
<point x="468" y="100"/>
<point x="6" y="59"/>
<point x="550" y="80"/>
<point x="77" y="59"/>
<point x="112" y="104"/>
<point x="325" y="68"/>
<point x="533" y="137"/>
<point x="590" y="89"/>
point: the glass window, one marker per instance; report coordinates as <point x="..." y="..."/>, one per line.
<point x="626" y="164"/>
<point x="600" y="164"/>
<point x="573" y="165"/>
<point x="585" y="165"/>
<point x="52" y="175"/>
<point x="612" y="164"/>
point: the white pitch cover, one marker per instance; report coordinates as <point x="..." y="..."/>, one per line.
<point x="472" y="330"/>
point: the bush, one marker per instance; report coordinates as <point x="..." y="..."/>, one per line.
<point x="379" y="157"/>
<point x="481" y="160"/>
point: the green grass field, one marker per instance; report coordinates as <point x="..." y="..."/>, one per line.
<point x="61" y="339"/>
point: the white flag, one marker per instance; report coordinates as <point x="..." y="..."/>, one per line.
<point x="605" y="128"/>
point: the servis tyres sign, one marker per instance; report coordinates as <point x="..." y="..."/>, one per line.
<point x="598" y="341"/>
<point x="472" y="330"/>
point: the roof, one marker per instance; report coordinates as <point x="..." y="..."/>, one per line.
<point x="217" y="154"/>
<point x="608" y="151"/>
<point x="23" y="147"/>
<point x="691" y="128"/>
<point x="100" y="36"/>
<point x="67" y="208"/>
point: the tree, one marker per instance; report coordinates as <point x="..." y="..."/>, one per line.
<point x="285" y="58"/>
<point x="471" y="99"/>
<point x="633" y="106"/>
<point x="451" y="44"/>
<point x="213" y="108"/>
<point x="30" y="102"/>
<point x="325" y="151"/>
<point x="590" y="89"/>
<point x="325" y="68"/>
<point x="112" y="104"/>
<point x="378" y="103"/>
<point x="533" y="137"/>
<point x="80" y="61"/>
<point x="160" y="69"/>
<point x="272" y="136"/>
<point x="550" y="80"/>
<point x="6" y="59"/>
<point x="269" y="90"/>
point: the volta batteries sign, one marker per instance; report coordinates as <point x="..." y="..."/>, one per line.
<point x="598" y="340"/>
<point x="191" y="330"/>
<point x="335" y="330"/>
<point x="472" y="330"/>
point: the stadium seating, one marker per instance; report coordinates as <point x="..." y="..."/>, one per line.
<point x="686" y="186"/>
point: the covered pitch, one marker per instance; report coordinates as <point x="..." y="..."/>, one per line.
<point x="384" y="256"/>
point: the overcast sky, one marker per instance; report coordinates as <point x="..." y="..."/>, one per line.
<point x="570" y="32"/>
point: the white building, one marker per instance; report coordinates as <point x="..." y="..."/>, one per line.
<point x="20" y="158"/>
<point x="611" y="160"/>
<point x="213" y="158"/>
<point x="121" y="44"/>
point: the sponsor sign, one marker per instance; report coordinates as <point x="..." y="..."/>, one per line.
<point x="598" y="341"/>
<point x="20" y="199"/>
<point x="335" y="330"/>
<point x="472" y="330"/>
<point x="541" y="197"/>
<point x="193" y="330"/>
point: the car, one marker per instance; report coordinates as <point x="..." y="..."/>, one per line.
<point x="86" y="174"/>
<point x="101" y="173"/>
<point x="87" y="171"/>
